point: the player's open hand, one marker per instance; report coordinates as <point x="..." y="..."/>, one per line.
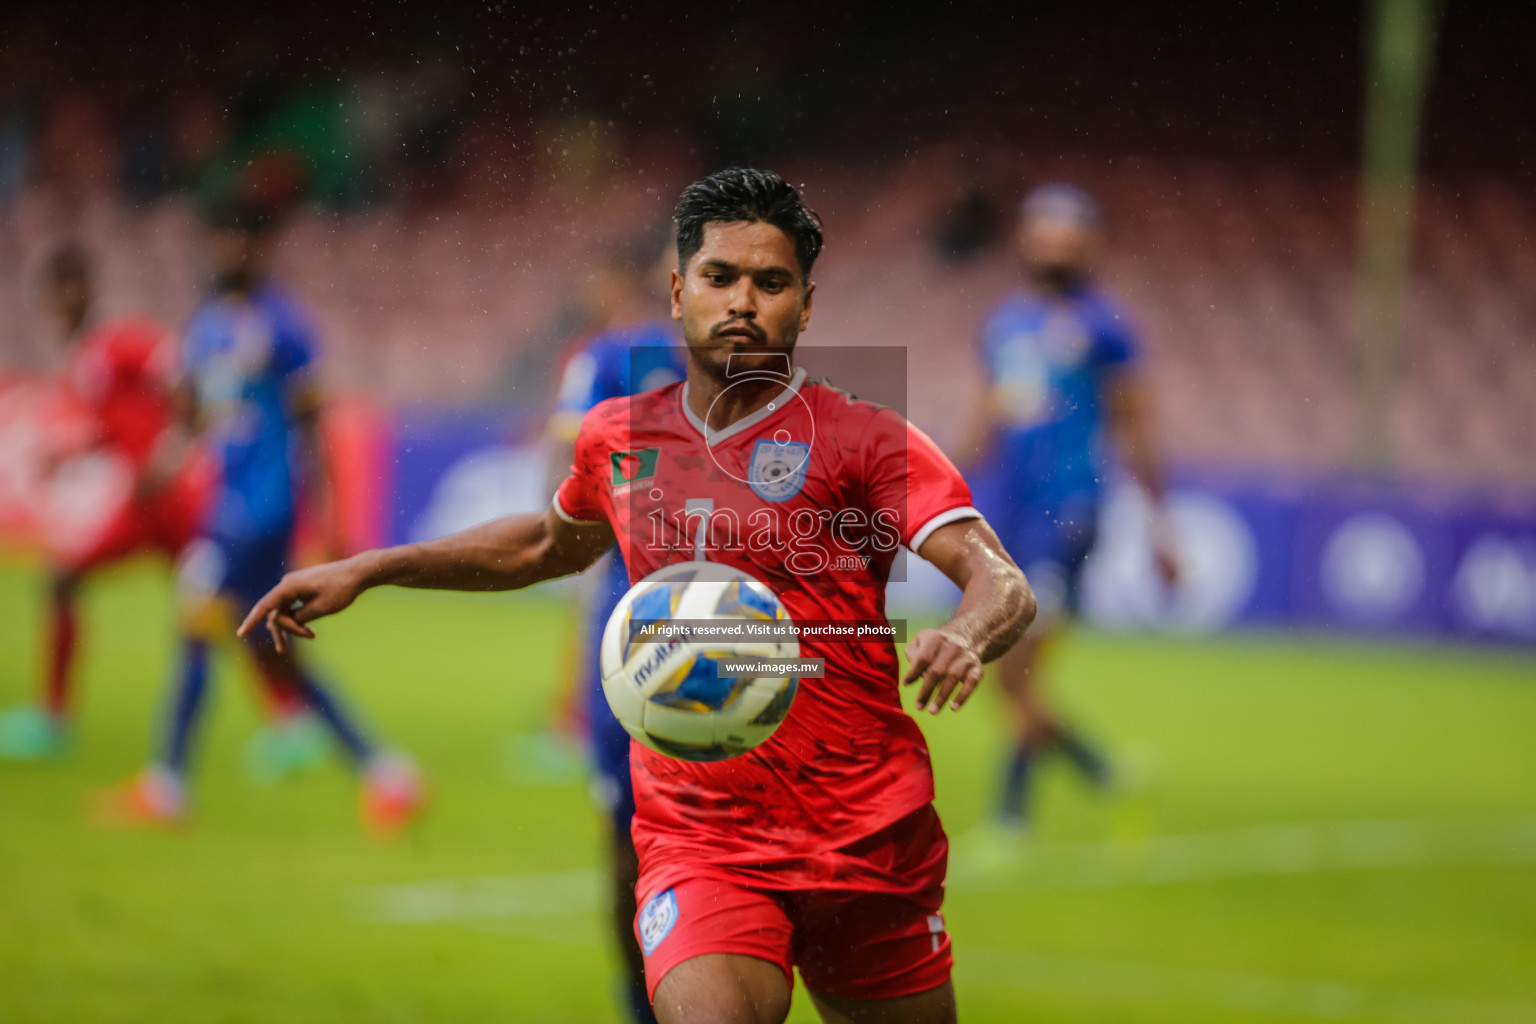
<point x="305" y="596"/>
<point x="949" y="666"/>
<point x="1166" y="557"/>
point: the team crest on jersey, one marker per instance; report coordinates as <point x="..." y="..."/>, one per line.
<point x="778" y="469"/>
<point x="656" y="920"/>
<point x="629" y="467"/>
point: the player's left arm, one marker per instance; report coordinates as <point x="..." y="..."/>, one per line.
<point x="996" y="607"/>
<point x="1127" y="403"/>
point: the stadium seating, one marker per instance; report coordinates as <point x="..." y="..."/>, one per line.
<point x="1241" y="278"/>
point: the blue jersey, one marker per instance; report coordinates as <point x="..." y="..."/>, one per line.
<point x="1046" y="361"/>
<point x="613" y="364"/>
<point x="246" y="361"/>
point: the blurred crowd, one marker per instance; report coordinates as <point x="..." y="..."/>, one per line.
<point x="458" y="174"/>
<point x="370" y="133"/>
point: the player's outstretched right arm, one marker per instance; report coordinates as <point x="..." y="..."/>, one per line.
<point x="503" y="554"/>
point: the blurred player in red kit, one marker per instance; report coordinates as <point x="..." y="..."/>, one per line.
<point x="249" y="384"/>
<point x="819" y="849"/>
<point x="151" y="489"/>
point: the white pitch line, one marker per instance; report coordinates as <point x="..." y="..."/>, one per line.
<point x="526" y="904"/>
<point x="1268" y="850"/>
<point x="485" y="898"/>
<point x="1146" y="985"/>
<point x="1159" y="860"/>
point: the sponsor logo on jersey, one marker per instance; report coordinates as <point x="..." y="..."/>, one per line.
<point x="656" y="920"/>
<point x="629" y="467"/>
<point x="778" y="469"/>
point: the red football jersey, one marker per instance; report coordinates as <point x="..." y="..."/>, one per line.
<point x="123" y="371"/>
<point x="813" y="495"/>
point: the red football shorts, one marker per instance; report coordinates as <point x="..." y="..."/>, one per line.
<point x="846" y="943"/>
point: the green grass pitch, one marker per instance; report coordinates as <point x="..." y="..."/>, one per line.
<point x="1337" y="831"/>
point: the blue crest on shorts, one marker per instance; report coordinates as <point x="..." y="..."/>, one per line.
<point x="778" y="469"/>
<point x="656" y="920"/>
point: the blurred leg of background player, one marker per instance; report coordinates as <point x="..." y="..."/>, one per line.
<point x="1053" y="546"/>
<point x="286" y="744"/>
<point x="163" y="525"/>
<point x="42" y="731"/>
<point x="612" y="787"/>
<point x="220" y="579"/>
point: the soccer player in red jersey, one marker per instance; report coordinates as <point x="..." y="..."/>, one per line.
<point x="819" y="849"/>
<point x="121" y="374"/>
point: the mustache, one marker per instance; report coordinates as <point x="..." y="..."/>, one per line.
<point x="758" y="334"/>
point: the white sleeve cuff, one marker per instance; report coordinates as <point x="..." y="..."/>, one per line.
<point x="954" y="515"/>
<point x="560" y="511"/>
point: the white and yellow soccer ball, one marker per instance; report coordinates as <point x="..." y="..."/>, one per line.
<point x="669" y="693"/>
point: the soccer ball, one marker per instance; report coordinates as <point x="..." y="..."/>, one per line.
<point x="668" y="692"/>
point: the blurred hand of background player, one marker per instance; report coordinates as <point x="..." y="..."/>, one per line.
<point x="1168" y="566"/>
<point x="169" y="454"/>
<point x="947" y="664"/>
<point x="1165" y="552"/>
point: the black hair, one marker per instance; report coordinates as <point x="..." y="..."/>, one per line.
<point x="746" y="194"/>
<point x="69" y="264"/>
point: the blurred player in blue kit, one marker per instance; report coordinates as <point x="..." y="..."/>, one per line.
<point x="248" y="390"/>
<point x="632" y="350"/>
<point x="1062" y="367"/>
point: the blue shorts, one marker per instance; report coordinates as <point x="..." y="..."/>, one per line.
<point x="1053" y="558"/>
<point x="1049" y="540"/>
<point x="241" y="569"/>
<point x="610" y="743"/>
